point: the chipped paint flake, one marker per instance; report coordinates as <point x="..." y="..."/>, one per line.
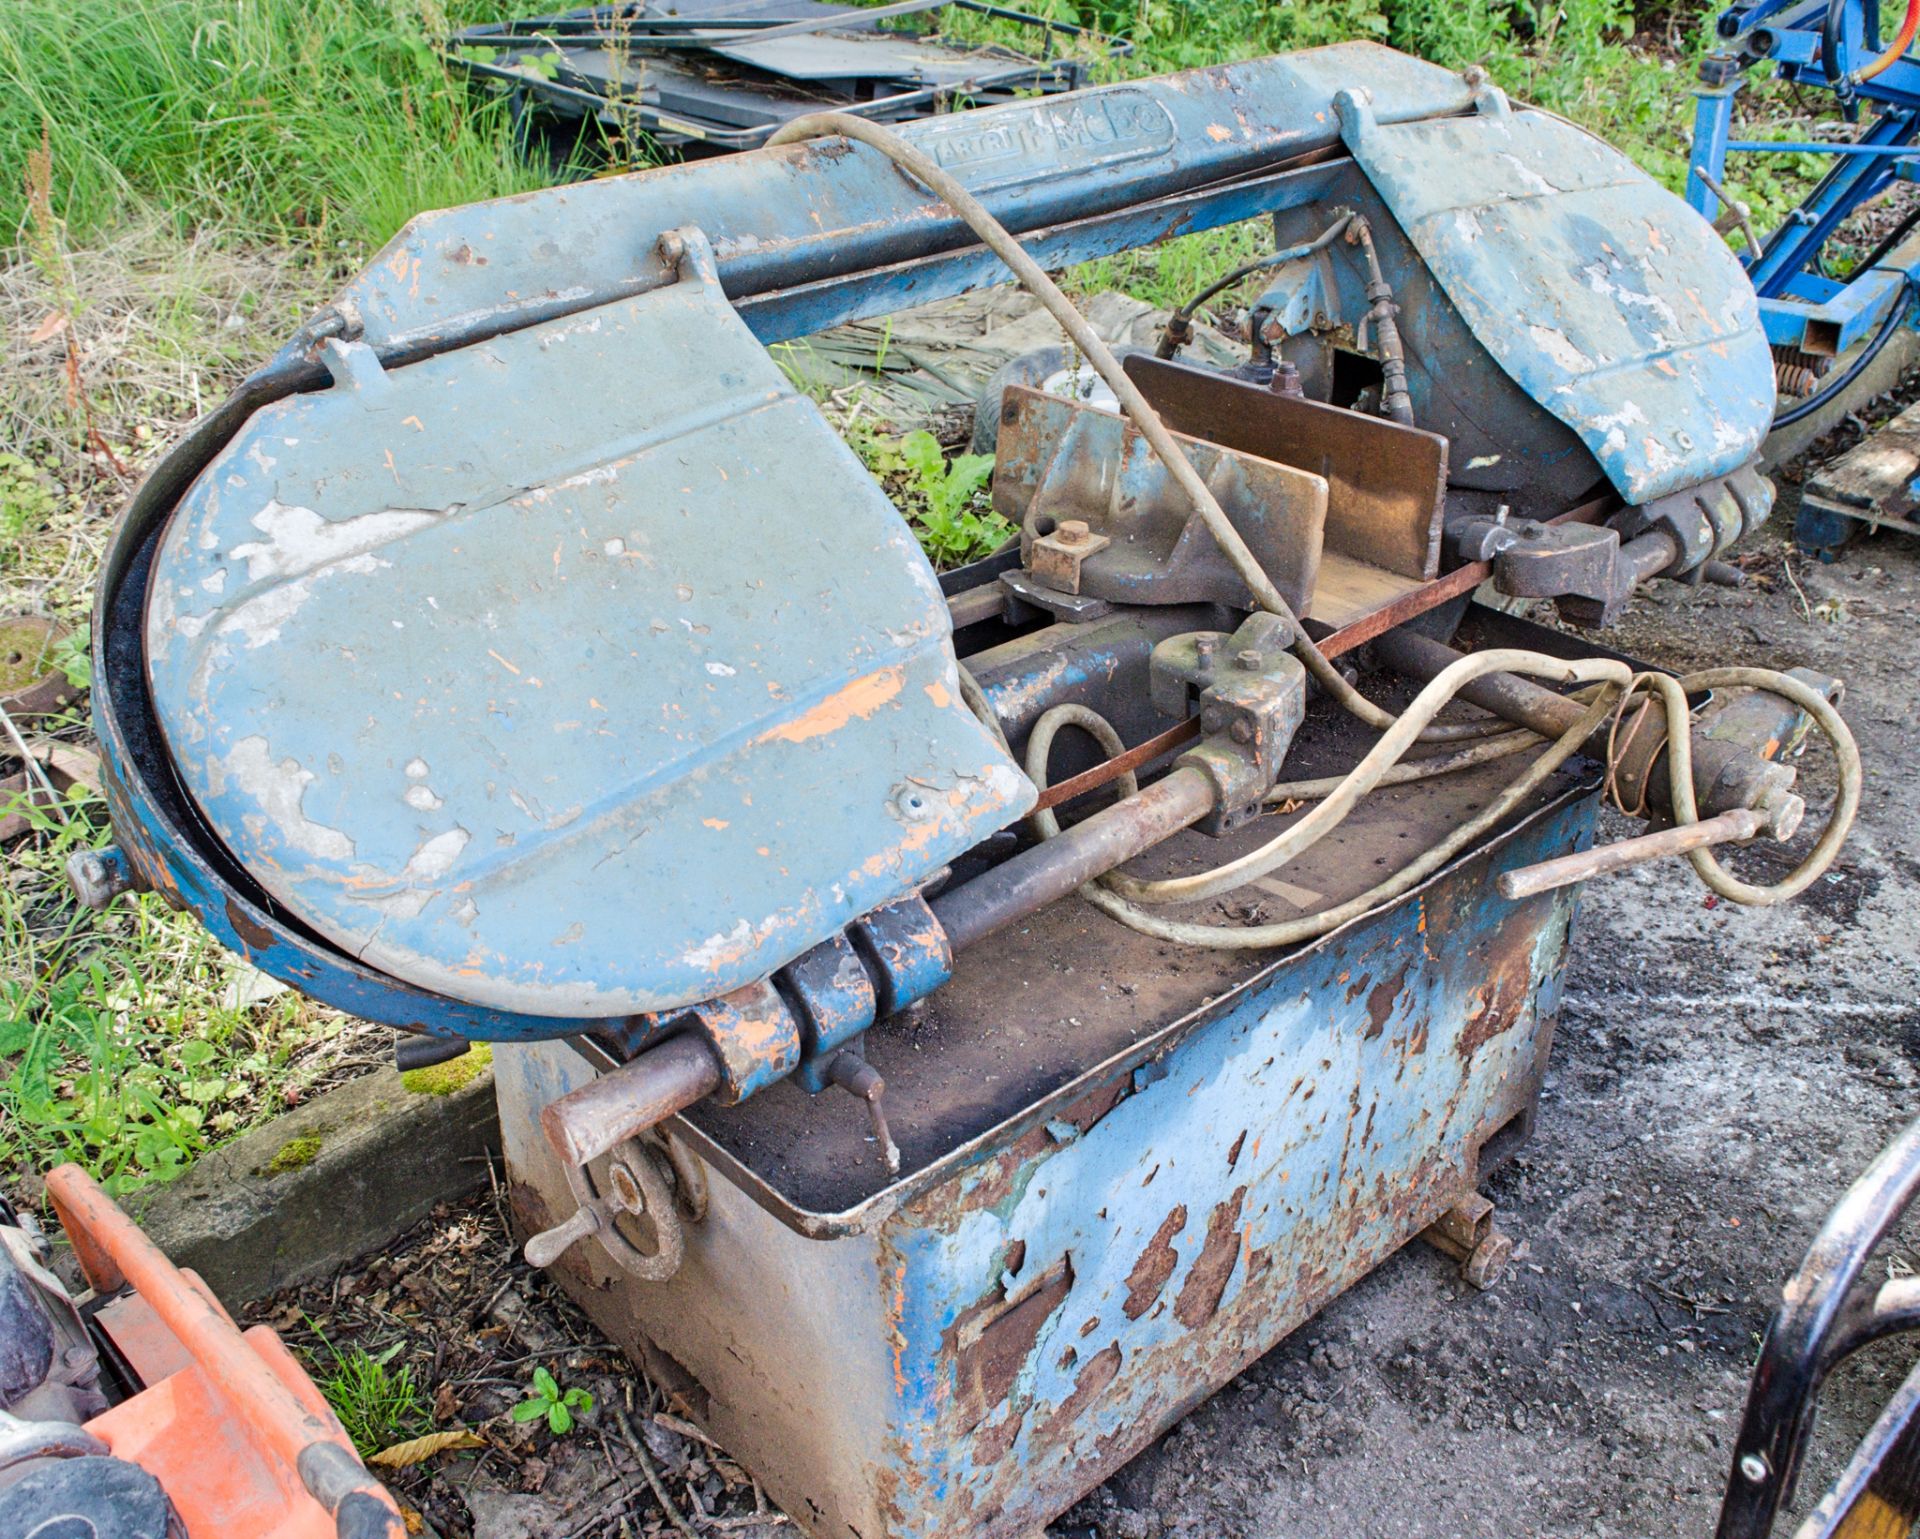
<point x="298" y="540"/>
<point x="855" y="701"/>
<point x="276" y="787"/>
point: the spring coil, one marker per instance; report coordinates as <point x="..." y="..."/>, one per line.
<point x="1795" y="379"/>
<point x="1797" y="372"/>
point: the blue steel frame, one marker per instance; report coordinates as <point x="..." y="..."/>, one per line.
<point x="1800" y="306"/>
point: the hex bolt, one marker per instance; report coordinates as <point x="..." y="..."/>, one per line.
<point x="97" y="877"/>
<point x="1072" y="531"/>
<point x="1205" y="650"/>
<point x="1242" y="730"/>
<point x="1213" y="718"/>
<point x="1251" y="659"/>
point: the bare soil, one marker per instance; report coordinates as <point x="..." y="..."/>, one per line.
<point x="1721" y="1075"/>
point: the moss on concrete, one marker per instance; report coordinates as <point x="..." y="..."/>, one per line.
<point x="295" y="1154"/>
<point x="454" y="1074"/>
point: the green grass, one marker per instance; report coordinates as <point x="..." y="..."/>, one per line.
<point x="332" y="121"/>
<point x="122" y="1048"/>
<point x="378" y="1404"/>
<point x="322" y="121"/>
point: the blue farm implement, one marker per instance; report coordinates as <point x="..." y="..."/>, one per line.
<point x="519" y="655"/>
<point x="1825" y="330"/>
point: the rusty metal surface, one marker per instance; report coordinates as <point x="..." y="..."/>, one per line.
<point x="1067" y="987"/>
<point x="795" y="217"/>
<point x="1016" y="888"/>
<point x="585" y="1125"/>
<point x="1602" y="295"/>
<point x="975" y="1346"/>
<point x="32" y="683"/>
<point x="1386" y="484"/>
<point x="1063" y="463"/>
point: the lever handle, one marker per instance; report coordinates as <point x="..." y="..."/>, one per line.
<point x="1736" y="826"/>
<point x="547" y="1247"/>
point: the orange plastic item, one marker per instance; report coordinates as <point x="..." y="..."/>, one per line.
<point x="1909" y="26"/>
<point x="229" y="1423"/>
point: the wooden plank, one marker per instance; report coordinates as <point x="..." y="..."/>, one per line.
<point x="1874" y="480"/>
<point x="1386" y="483"/>
<point x="1349" y="590"/>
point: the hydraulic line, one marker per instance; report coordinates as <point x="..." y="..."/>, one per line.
<point x="1309" y="927"/>
<point x="1179" y="325"/>
<point x="1381" y="310"/>
<point x="1888" y="241"/>
<point x="1365" y="775"/>
<point x="1831" y="51"/>
<point x="1122" y="897"/>
<point x="1503" y="746"/>
<point x="1909" y="25"/>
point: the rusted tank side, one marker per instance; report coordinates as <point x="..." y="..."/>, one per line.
<point x="976" y="1347"/>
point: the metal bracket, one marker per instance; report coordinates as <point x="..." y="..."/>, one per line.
<point x="1251" y="695"/>
<point x="1467" y="1233"/>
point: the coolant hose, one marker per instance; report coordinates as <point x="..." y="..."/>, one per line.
<point x="1123" y="897"/>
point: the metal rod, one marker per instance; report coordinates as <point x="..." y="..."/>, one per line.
<point x="1650" y="554"/>
<point x="1037" y="876"/>
<point x="1814" y="147"/>
<point x="1507" y="695"/>
<point x="586" y="1123"/>
<point x="986" y="602"/>
<point x="1112" y="769"/>
<point x="1523" y="882"/>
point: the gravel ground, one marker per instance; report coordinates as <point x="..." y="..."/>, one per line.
<point x="1721" y="1075"/>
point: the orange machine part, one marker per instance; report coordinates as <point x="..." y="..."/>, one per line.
<point x="224" y="1429"/>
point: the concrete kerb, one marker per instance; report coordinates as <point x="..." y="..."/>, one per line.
<point x="329" y="1181"/>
